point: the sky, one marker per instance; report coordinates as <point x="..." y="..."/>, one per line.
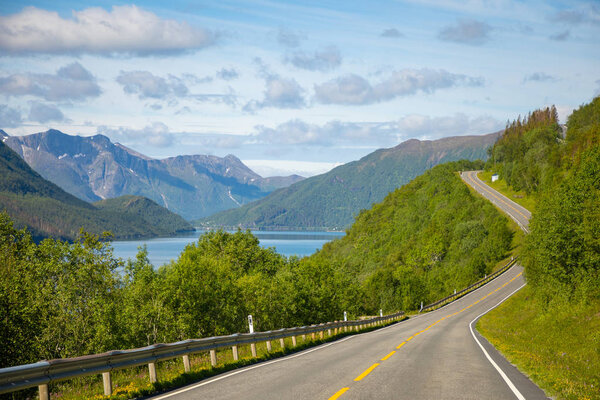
<point x="290" y="86"/>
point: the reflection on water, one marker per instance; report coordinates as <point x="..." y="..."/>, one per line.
<point x="163" y="250"/>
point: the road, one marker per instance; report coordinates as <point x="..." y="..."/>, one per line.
<point x="437" y="355"/>
<point x="518" y="213"/>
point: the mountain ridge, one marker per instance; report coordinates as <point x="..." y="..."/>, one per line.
<point x="331" y="200"/>
<point x="93" y="168"/>
<point x="47" y="210"/>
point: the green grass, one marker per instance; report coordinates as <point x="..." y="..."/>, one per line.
<point x="134" y="382"/>
<point x="559" y="348"/>
<point x="500" y="185"/>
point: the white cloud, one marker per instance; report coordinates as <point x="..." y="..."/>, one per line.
<point x="539" y="77"/>
<point x="124" y="29"/>
<point x="40" y="112"/>
<point x="71" y="82"/>
<point x="147" y="85"/>
<point x="466" y="31"/>
<point x="9" y="117"/>
<point x="354" y="89"/>
<point x="391" y="33"/>
<point x="156" y="134"/>
<point x="321" y="60"/>
<point x="279" y="93"/>
<point x="289" y="167"/>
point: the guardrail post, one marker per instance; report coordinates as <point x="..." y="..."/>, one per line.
<point x="213" y="358"/>
<point x="152" y="372"/>
<point x="304" y="338"/>
<point x="44" y="392"/>
<point x="253" y="349"/>
<point x="235" y="352"/>
<point x="312" y="335"/>
<point x="282" y="343"/>
<point x="107" y="381"/>
<point x="321" y="334"/>
<point x="329" y="332"/>
<point x="268" y="345"/>
<point x="186" y="363"/>
<point x="294" y="341"/>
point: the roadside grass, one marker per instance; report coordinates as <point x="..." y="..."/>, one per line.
<point x="500" y="185"/>
<point x="134" y="382"/>
<point x="558" y="348"/>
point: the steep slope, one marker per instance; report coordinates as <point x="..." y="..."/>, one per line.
<point x="94" y="168"/>
<point x="333" y="199"/>
<point x="48" y="210"/>
<point x="423" y="240"/>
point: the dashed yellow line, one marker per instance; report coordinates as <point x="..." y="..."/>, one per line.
<point x="497" y="196"/>
<point x="389" y="355"/>
<point x="339" y="393"/>
<point x="367" y="372"/>
<point x="372" y="367"/>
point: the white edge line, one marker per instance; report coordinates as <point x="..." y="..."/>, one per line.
<point x="264" y="364"/>
<point x="502" y="374"/>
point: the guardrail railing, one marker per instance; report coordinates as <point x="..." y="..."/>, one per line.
<point x="42" y="373"/>
<point x="476" y="285"/>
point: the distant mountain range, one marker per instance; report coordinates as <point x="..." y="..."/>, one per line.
<point x="47" y="210"/>
<point x="331" y="200"/>
<point x="93" y="168"/>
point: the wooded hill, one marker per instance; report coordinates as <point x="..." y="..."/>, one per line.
<point x="333" y="199"/>
<point x="47" y="210"/>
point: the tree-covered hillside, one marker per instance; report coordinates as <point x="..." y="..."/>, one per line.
<point x="423" y="241"/>
<point x="333" y="199"/>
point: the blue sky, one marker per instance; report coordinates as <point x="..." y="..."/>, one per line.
<point x="290" y="87"/>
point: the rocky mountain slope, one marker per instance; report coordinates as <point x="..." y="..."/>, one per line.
<point x="93" y="168"/>
<point x="47" y="210"/>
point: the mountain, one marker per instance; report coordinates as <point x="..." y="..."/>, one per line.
<point x="47" y="210"/>
<point x="333" y="199"/>
<point x="93" y="168"/>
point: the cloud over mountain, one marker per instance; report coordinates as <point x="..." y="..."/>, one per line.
<point x="356" y="90"/>
<point x="124" y="29"/>
<point x="71" y="82"/>
<point x="147" y="85"/>
<point x="9" y="117"/>
<point x="40" y="112"/>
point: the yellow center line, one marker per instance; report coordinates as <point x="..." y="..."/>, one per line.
<point x="497" y="196"/>
<point x="367" y="372"/>
<point x="389" y="355"/>
<point x="372" y="367"/>
<point x="339" y="393"/>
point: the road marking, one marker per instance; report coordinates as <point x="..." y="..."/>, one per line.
<point x="513" y="388"/>
<point x="502" y="374"/>
<point x="218" y="378"/>
<point x="498" y="196"/>
<point x="339" y="393"/>
<point x="367" y="372"/>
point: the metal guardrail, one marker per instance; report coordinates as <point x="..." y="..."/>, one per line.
<point x="476" y="285"/>
<point x="42" y="373"/>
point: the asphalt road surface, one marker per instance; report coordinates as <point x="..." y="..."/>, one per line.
<point x="518" y="213"/>
<point x="437" y="355"/>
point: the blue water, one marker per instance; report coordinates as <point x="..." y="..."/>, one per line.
<point x="163" y="250"/>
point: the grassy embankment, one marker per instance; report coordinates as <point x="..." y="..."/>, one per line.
<point x="558" y="348"/>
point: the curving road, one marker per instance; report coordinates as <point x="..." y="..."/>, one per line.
<point x="517" y="212"/>
<point x="432" y="356"/>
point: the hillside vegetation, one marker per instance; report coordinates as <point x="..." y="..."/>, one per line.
<point x="551" y="329"/>
<point x="423" y="241"/>
<point x="332" y="200"/>
<point x="48" y="210"/>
